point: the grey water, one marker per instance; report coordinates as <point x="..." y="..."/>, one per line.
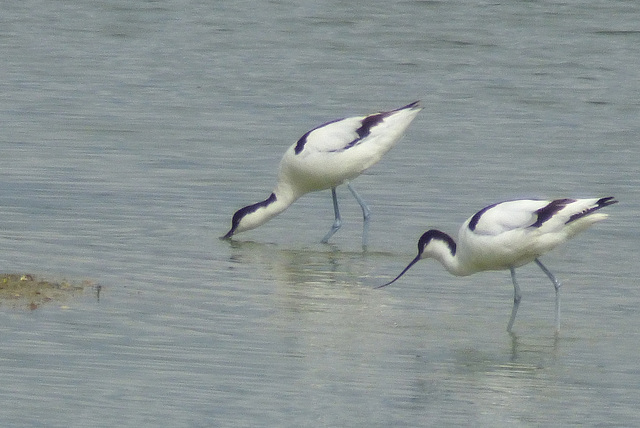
<point x="131" y="131"/>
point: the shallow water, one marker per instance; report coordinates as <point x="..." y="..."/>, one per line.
<point x="132" y="132"/>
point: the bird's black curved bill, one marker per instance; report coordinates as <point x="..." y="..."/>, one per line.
<point x="401" y="273"/>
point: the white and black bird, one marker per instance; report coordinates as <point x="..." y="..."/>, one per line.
<point x="508" y="235"/>
<point x="326" y="157"/>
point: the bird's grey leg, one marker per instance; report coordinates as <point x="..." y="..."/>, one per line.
<point x="338" y="222"/>
<point x="517" y="296"/>
<point x="366" y="214"/>
<point x="557" y="285"/>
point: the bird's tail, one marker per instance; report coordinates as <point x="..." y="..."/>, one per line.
<point x="598" y="204"/>
<point x="586" y="215"/>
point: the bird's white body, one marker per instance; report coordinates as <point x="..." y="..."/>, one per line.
<point x="326" y="157"/>
<point x="324" y="162"/>
<point x="510" y="234"/>
<point x="504" y="236"/>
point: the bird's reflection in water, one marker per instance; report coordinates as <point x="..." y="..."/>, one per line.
<point x="308" y="276"/>
<point x="543" y="348"/>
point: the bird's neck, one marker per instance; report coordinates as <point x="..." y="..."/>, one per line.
<point x="454" y="266"/>
<point x="285" y="194"/>
<point x="445" y="251"/>
<point x="279" y="201"/>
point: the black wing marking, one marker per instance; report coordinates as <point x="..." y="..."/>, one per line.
<point x="547" y="212"/>
<point x="476" y="217"/>
<point x="371" y="121"/>
<point x="365" y="129"/>
<point x="303" y="140"/>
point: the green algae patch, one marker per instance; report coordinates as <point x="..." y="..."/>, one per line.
<point x="26" y="291"/>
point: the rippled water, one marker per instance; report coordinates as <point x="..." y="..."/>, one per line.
<point x="132" y="131"/>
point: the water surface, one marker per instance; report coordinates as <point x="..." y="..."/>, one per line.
<point x="132" y="131"/>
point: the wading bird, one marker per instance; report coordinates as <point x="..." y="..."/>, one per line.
<point x="326" y="157"/>
<point x="508" y="235"/>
